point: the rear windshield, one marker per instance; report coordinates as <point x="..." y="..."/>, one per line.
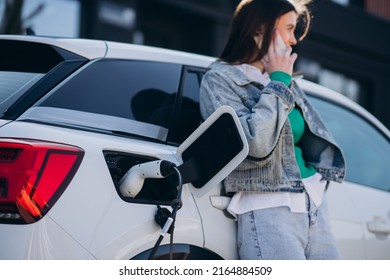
<point x="15" y="84"/>
<point x="22" y="65"/>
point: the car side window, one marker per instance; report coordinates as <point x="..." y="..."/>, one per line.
<point x="188" y="115"/>
<point x="365" y="148"/>
<point x="136" y="90"/>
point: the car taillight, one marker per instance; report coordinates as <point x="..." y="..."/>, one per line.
<point x="33" y="175"/>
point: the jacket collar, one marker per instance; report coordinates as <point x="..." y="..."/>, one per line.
<point x="238" y="77"/>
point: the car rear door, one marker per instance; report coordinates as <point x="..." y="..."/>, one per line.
<point x="360" y="208"/>
<point x="219" y="227"/>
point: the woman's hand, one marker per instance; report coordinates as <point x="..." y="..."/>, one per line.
<point x="279" y="57"/>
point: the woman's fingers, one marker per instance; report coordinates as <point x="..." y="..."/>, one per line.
<point x="280" y="56"/>
<point x="281" y="62"/>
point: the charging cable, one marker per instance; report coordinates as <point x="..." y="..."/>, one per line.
<point x="169" y="225"/>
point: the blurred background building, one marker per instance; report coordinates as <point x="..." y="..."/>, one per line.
<point x="348" y="47"/>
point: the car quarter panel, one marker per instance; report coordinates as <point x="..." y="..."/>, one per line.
<point x="90" y="210"/>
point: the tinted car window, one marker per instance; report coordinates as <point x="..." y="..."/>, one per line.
<point x="188" y="117"/>
<point x="366" y="150"/>
<point x="15" y="83"/>
<point x="30" y="56"/>
<point x="29" y="71"/>
<point x="142" y="91"/>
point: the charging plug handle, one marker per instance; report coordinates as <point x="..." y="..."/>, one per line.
<point x="131" y="183"/>
<point x="167" y="168"/>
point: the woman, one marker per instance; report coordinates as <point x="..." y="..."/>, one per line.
<point x="279" y="188"/>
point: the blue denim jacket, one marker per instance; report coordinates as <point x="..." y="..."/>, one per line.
<point x="263" y="113"/>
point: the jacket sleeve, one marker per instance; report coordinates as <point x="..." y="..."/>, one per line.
<point x="261" y="123"/>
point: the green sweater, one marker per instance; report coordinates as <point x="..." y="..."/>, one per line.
<point x="298" y="128"/>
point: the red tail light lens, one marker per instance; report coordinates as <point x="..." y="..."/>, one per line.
<point x="33" y="175"/>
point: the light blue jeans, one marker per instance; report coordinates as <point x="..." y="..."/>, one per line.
<point x="278" y="234"/>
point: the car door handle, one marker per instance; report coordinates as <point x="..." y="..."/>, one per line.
<point x="220" y="202"/>
<point x="379" y="227"/>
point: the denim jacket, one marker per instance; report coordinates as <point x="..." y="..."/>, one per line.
<point x="263" y="114"/>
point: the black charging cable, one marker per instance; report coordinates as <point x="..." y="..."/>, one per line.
<point x="163" y="214"/>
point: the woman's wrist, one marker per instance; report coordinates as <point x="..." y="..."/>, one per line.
<point x="281" y="76"/>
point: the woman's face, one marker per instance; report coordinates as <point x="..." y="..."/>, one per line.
<point x="286" y="25"/>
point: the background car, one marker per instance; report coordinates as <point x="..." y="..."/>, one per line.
<point x="76" y="115"/>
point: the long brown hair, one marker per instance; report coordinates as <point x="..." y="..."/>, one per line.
<point x="254" y="16"/>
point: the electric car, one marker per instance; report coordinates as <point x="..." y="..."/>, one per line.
<point x="76" y="115"/>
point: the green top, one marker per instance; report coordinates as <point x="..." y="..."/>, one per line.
<point x="298" y="127"/>
<point x="281" y="77"/>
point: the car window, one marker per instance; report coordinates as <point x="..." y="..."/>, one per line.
<point x="188" y="116"/>
<point x="28" y="72"/>
<point x="366" y="150"/>
<point x="134" y="90"/>
<point x="16" y="83"/>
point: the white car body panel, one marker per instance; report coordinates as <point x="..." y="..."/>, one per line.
<point x="345" y="222"/>
<point x="350" y="218"/>
<point x="42" y="240"/>
<point x="220" y="238"/>
<point x="125" y="51"/>
<point x="94" y="199"/>
<point x="3" y="122"/>
<point x="373" y="216"/>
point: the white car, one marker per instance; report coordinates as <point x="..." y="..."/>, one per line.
<point x="76" y="115"/>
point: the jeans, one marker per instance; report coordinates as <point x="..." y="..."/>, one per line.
<point x="279" y="234"/>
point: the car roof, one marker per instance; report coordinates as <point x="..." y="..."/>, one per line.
<point x="95" y="49"/>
